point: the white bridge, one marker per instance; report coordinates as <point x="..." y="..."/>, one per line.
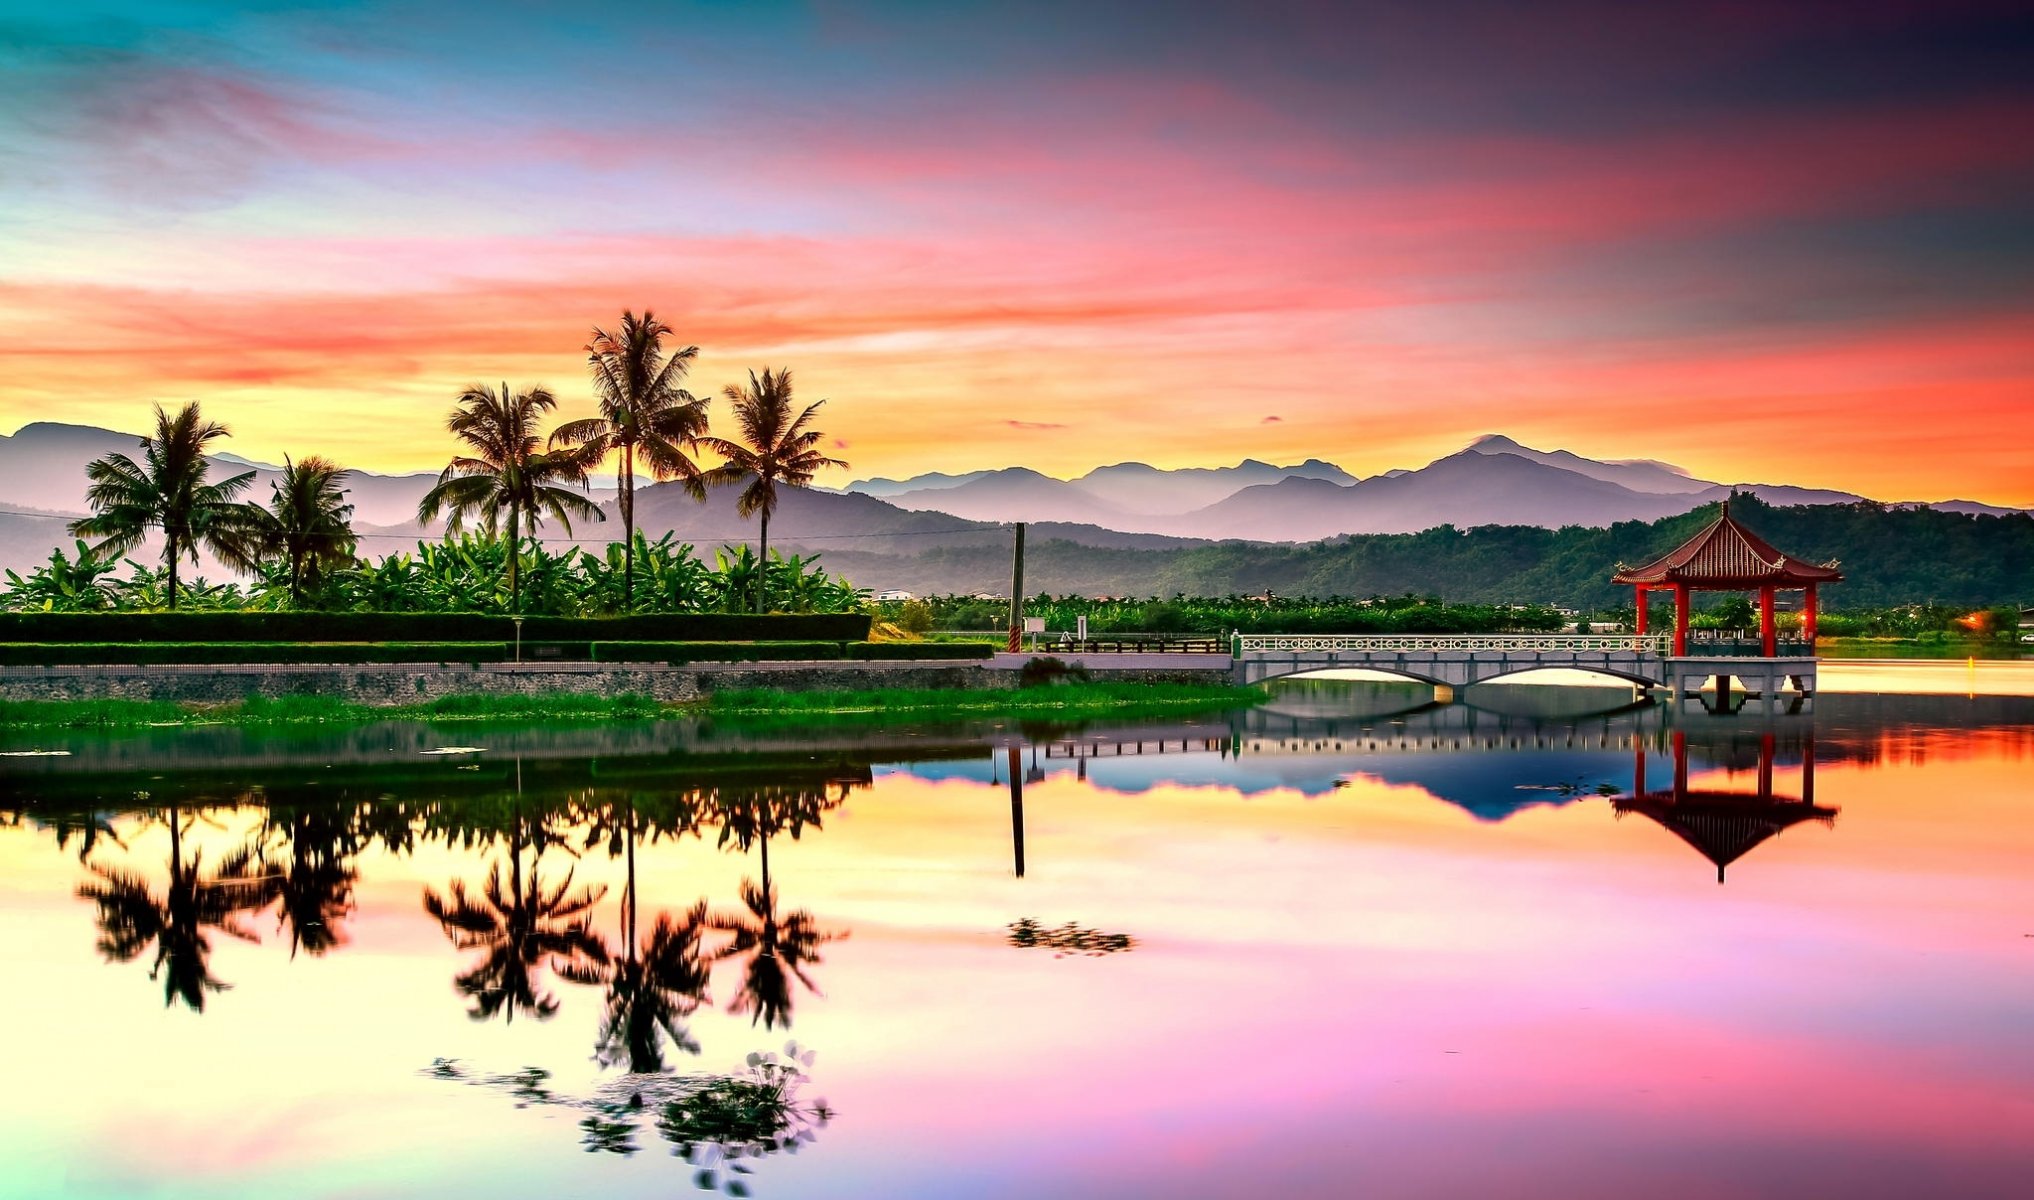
<point x="1449" y="661"/>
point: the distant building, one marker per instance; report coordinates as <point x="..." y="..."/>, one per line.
<point x="895" y="594"/>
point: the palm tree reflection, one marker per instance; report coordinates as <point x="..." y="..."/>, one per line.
<point x="131" y="917"/>
<point x="778" y="947"/>
<point x="316" y="882"/>
<point x="519" y="925"/>
<point x="653" y="984"/>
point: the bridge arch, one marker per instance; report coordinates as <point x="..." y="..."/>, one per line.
<point x="1609" y="671"/>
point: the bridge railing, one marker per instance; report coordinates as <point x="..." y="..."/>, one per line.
<point x="1649" y="643"/>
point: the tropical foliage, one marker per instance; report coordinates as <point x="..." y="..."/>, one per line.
<point x="644" y="413"/>
<point x="307" y="527"/>
<point x="777" y="448"/>
<point x="461" y="574"/>
<point x="169" y="493"/>
<point x="503" y="480"/>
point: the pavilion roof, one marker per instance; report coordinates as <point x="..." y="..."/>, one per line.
<point x="1727" y="555"/>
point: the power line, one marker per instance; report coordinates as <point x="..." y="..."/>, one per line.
<point x="744" y="536"/>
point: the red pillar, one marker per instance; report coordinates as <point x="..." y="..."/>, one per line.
<point x="1639" y="627"/>
<point x="1680" y="766"/>
<point x="1680" y="620"/>
<point x="1808" y="615"/>
<point x="1769" y="633"/>
<point x="1808" y="768"/>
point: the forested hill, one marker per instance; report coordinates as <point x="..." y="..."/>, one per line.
<point x="1888" y="555"/>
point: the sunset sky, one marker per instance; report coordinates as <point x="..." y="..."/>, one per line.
<point x="1768" y="242"/>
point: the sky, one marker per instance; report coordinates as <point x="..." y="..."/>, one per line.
<point x="1786" y="243"/>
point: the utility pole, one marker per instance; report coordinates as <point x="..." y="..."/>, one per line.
<point x="1017" y="593"/>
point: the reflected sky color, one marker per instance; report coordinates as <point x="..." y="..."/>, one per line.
<point x="1375" y="988"/>
<point x="1759" y="240"/>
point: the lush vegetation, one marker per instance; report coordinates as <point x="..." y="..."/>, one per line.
<point x="463" y="574"/>
<point x="1890" y="556"/>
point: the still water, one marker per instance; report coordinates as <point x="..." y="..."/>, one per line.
<point x="1545" y="944"/>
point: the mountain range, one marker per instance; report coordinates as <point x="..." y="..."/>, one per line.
<point x="872" y="527"/>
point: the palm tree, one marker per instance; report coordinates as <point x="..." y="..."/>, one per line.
<point x="131" y="916"/>
<point x="308" y="521"/>
<point x="776" y="448"/>
<point x="519" y="929"/>
<point x="643" y="412"/>
<point x="505" y="479"/>
<point x="168" y="491"/>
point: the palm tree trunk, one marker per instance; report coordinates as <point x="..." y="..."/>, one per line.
<point x="296" y="578"/>
<point x="629" y="899"/>
<point x="762" y="582"/>
<point x="170" y="554"/>
<point x="628" y="516"/>
<point x="515" y="558"/>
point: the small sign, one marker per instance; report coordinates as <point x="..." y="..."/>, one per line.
<point x="1081" y="628"/>
<point x="1034" y="624"/>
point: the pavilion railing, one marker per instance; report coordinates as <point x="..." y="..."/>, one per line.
<point x="1573" y="643"/>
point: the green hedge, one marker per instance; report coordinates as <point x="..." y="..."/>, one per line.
<point x="32" y="654"/>
<point x="128" y="628"/>
<point x="29" y="654"/>
<point x="918" y="651"/>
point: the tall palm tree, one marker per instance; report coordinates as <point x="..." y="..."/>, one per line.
<point x="307" y="521"/>
<point x="167" y="490"/>
<point x="505" y="479"/>
<point x="775" y="448"/>
<point x="132" y="917"/>
<point x="519" y="928"/>
<point x="643" y="412"/>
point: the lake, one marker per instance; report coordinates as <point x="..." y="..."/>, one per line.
<point x="1544" y="943"/>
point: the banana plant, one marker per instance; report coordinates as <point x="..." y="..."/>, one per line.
<point x="65" y="585"/>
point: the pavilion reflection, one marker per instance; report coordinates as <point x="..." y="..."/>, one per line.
<point x="1723" y="825"/>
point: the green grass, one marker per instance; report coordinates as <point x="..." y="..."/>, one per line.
<point x="1075" y="699"/>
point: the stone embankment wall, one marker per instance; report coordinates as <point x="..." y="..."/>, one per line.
<point x="397" y="684"/>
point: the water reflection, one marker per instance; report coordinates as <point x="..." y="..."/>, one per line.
<point x="1725" y="824"/>
<point x="178" y="921"/>
<point x="518" y="925"/>
<point x="639" y="905"/>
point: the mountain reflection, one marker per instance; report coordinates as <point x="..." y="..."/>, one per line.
<point x="291" y="824"/>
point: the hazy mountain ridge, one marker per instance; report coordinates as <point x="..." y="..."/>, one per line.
<point x="894" y="540"/>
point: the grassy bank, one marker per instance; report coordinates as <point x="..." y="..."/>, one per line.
<point x="1073" y="699"/>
